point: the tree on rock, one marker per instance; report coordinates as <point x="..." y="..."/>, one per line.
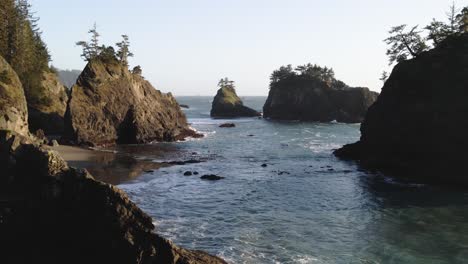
<point x="226" y="83"/>
<point x="91" y="49"/>
<point x="124" y="52"/>
<point x="404" y="44"/>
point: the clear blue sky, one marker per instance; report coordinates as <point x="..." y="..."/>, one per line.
<point x="185" y="46"/>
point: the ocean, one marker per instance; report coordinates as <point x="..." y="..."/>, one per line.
<point x="305" y="206"/>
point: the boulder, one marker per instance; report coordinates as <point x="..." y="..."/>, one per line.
<point x="13" y="107"/>
<point x="314" y="99"/>
<point x="52" y="213"/>
<point x="110" y="105"/>
<point x="417" y="128"/>
<point x="227" y="104"/>
<point x="47" y="104"/>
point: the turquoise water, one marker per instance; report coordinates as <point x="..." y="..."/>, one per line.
<point x="306" y="206"/>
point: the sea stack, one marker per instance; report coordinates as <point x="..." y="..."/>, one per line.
<point x="418" y="127"/>
<point x="111" y="105"/>
<point x="47" y="104"/>
<point x="226" y="103"/>
<point x="311" y="93"/>
<point x="13" y="107"/>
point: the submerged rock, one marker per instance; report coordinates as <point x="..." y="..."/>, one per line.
<point x="211" y="177"/>
<point x="51" y="213"/>
<point x="417" y="128"/>
<point x="184" y="106"/>
<point x="227" y="104"/>
<point x="188" y="173"/>
<point x="310" y="97"/>
<point x="227" y="125"/>
<point x="13" y="107"/>
<point x="110" y="105"/>
<point x="47" y="104"/>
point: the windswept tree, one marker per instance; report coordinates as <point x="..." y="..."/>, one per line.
<point x="384" y="76"/>
<point x="124" y="52"/>
<point x="404" y="44"/>
<point x="226" y="83"/>
<point x="91" y="49"/>
<point x="282" y="73"/>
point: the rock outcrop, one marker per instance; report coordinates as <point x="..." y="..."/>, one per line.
<point x="47" y="108"/>
<point x="51" y="213"/>
<point x="227" y="104"/>
<point x="13" y="107"/>
<point x="310" y="98"/>
<point x="110" y="105"/>
<point x="418" y="128"/>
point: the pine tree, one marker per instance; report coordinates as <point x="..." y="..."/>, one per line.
<point x="124" y="52"/>
<point x="92" y="49"/>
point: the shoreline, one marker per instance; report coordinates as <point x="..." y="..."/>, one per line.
<point x="107" y="166"/>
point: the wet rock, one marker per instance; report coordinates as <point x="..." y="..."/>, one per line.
<point x="264" y="165"/>
<point x="188" y="173"/>
<point x="211" y="177"/>
<point x="228" y="125"/>
<point x="195" y="173"/>
<point x="184" y="106"/>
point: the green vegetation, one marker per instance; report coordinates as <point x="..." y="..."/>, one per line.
<point x="228" y="91"/>
<point x="404" y="44"/>
<point x="22" y="47"/>
<point x="92" y="50"/>
<point x="304" y="73"/>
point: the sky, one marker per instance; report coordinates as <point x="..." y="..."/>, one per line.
<point x="186" y="46"/>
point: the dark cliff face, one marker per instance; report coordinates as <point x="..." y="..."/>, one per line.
<point x="51" y="213"/>
<point x="227" y="104"/>
<point x="296" y="98"/>
<point x="418" y="126"/>
<point x="110" y="105"/>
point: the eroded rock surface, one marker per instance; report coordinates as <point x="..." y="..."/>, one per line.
<point x="110" y="105"/>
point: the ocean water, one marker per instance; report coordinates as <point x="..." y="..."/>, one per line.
<point x="306" y="206"/>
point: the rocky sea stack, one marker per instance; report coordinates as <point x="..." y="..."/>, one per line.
<point x="311" y="93"/>
<point x="109" y="105"/>
<point x="47" y="104"/>
<point x="227" y="104"/>
<point x="418" y="127"/>
<point x="51" y="213"/>
<point x="13" y="107"/>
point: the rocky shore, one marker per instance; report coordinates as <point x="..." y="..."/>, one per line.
<point x="53" y="213"/>
<point x="417" y="127"/>
<point x="71" y="218"/>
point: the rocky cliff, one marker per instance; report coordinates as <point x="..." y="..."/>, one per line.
<point x="304" y="98"/>
<point x="47" y="105"/>
<point x="51" y="213"/>
<point x="13" y="108"/>
<point x="227" y="104"/>
<point x="417" y="128"/>
<point x="109" y="105"/>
